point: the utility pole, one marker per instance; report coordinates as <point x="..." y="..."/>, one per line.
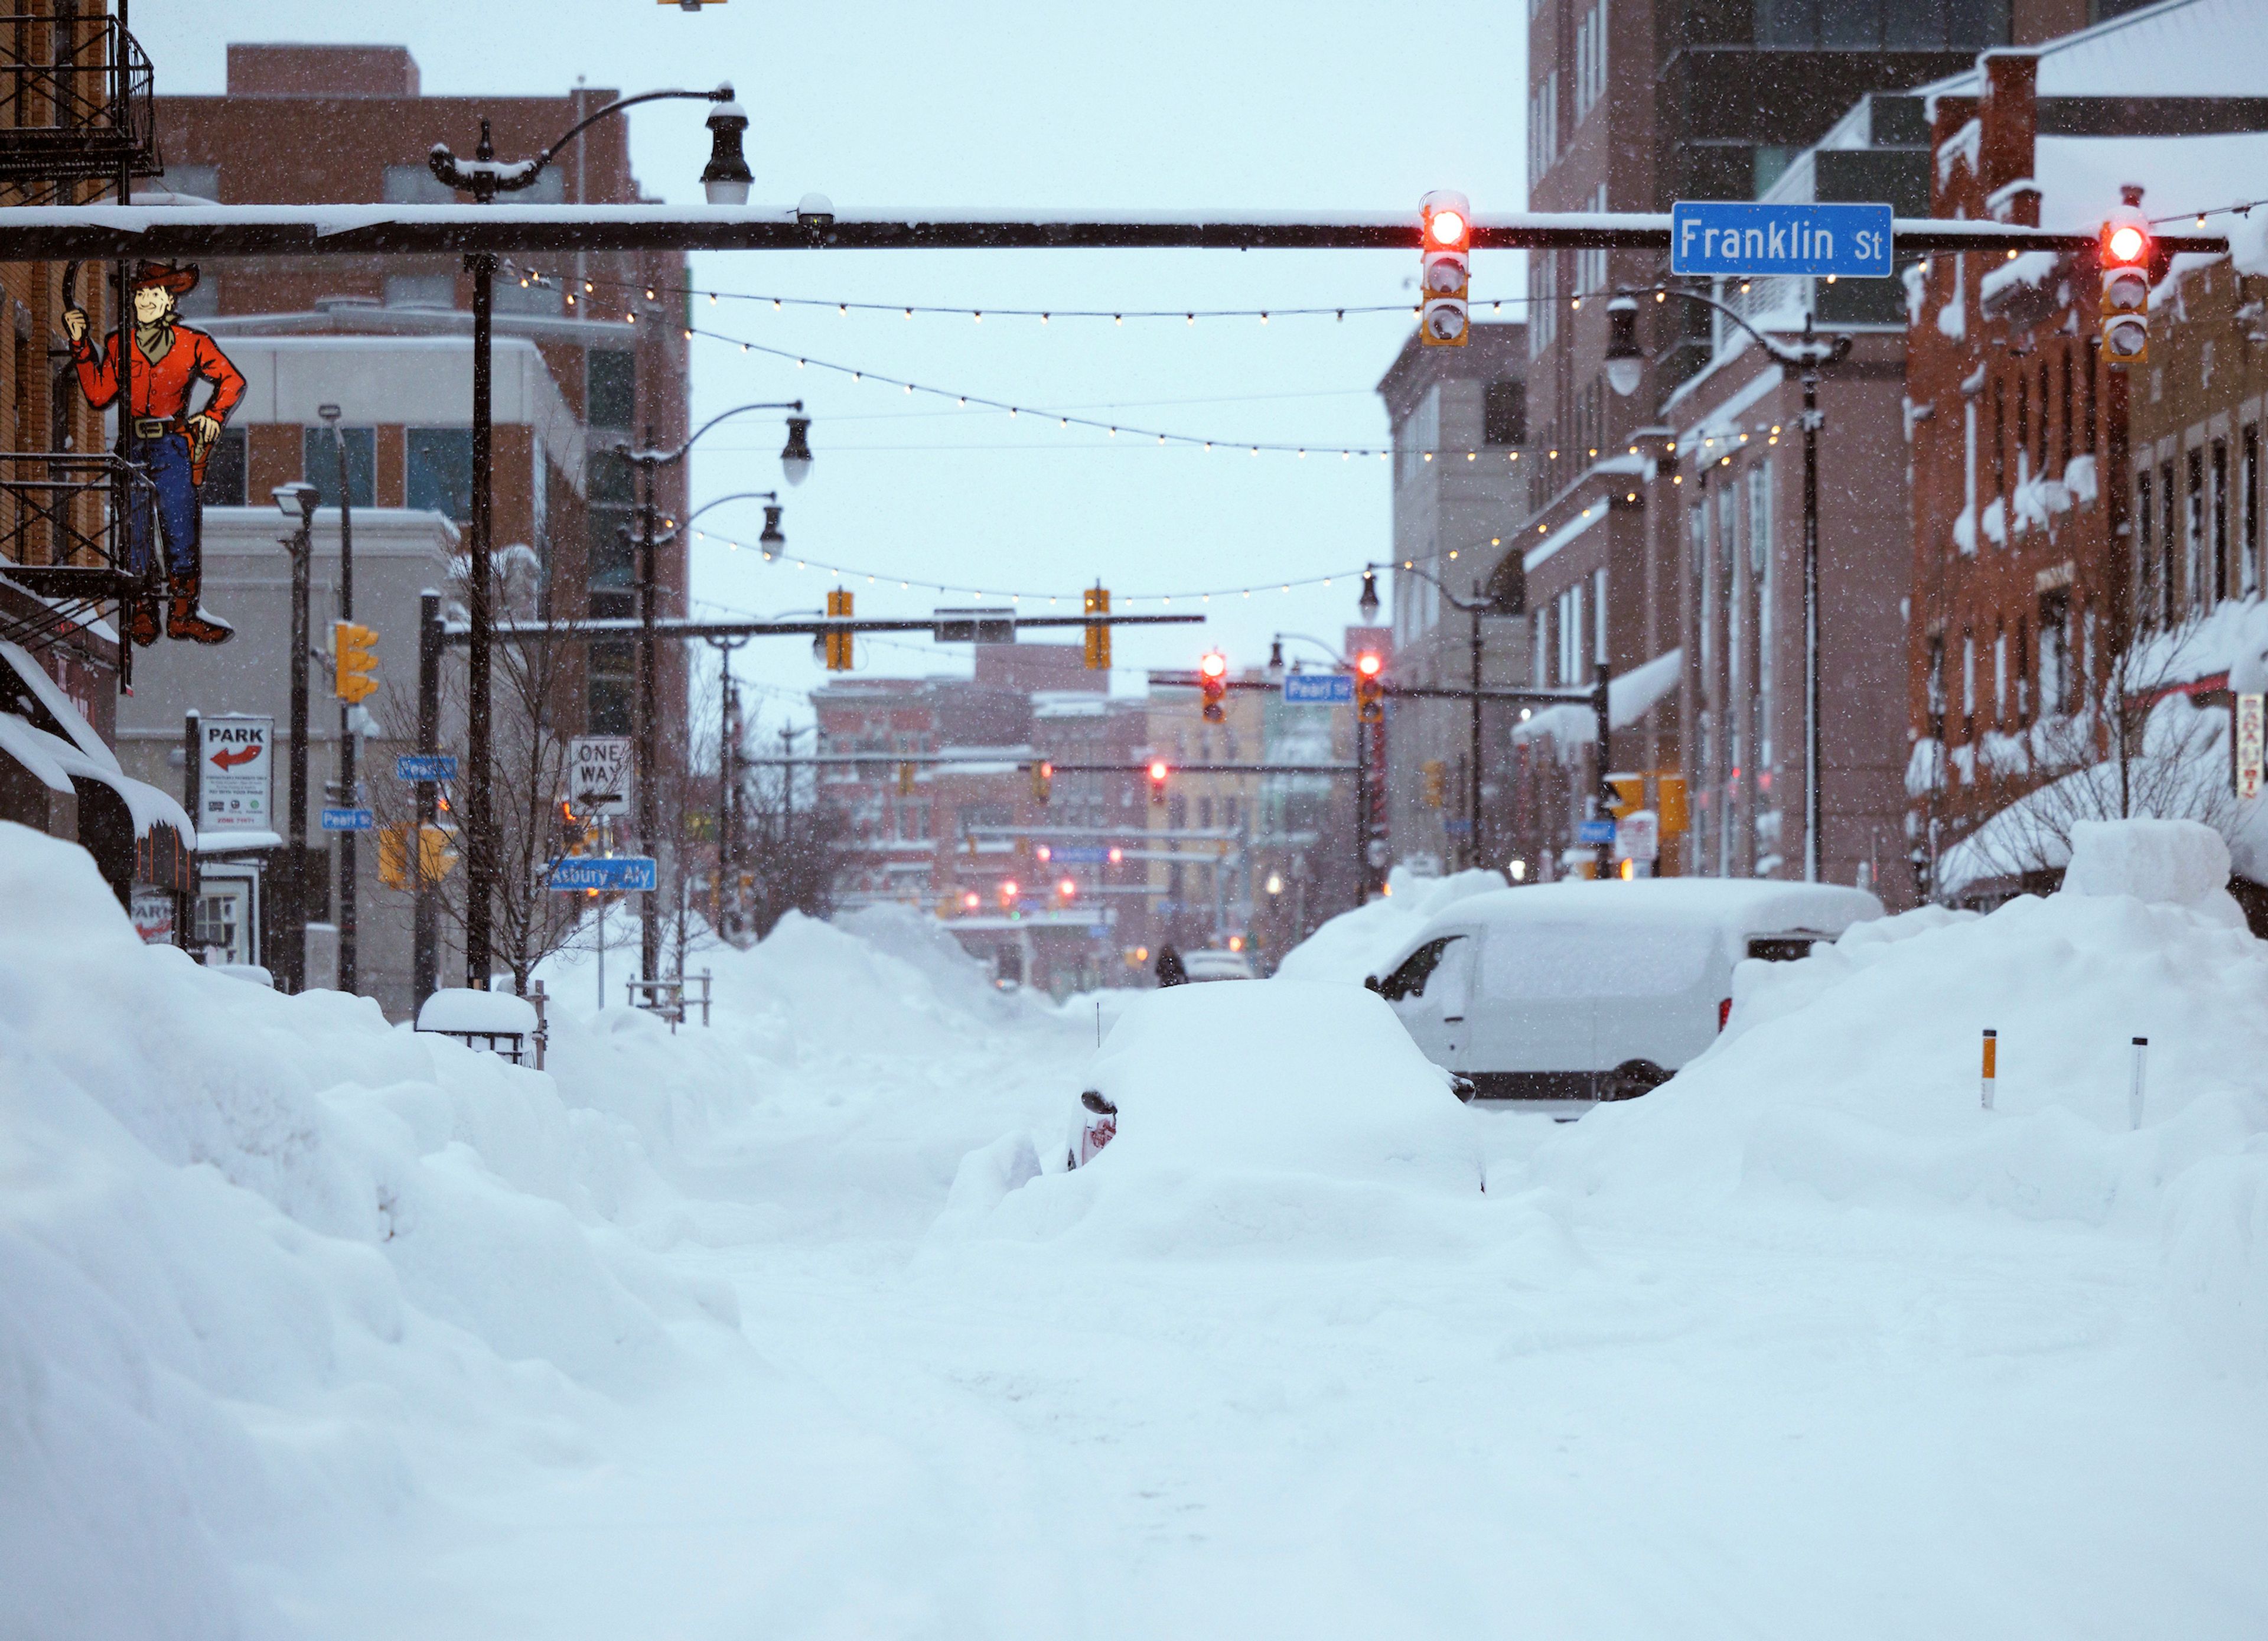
<point x="728" y="753"/>
<point x="347" y="897"/>
<point x="300" y="544"/>
<point x="425" y="960"/>
<point x="1814" y="765"/>
<point x="649" y="733"/>
<point x="1473" y="755"/>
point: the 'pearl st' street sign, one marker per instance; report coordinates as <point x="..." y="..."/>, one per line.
<point x="1738" y="238"/>
<point x="1322" y="690"/>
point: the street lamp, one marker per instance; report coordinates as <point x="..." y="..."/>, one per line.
<point x="484" y="176"/>
<point x="297" y="502"/>
<point x="1513" y="601"/>
<point x="1807" y="358"/>
<point x="770" y="542"/>
<point x="795" y="464"/>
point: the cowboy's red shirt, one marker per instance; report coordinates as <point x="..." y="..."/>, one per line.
<point x="161" y="387"/>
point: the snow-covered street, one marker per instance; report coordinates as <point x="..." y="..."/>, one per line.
<point x="707" y="1343"/>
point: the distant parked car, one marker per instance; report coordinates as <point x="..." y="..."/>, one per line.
<point x="1214" y="964"/>
<point x="1596" y="991"/>
<point x="1279" y="1077"/>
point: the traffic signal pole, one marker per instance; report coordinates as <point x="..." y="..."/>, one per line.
<point x="348" y="964"/>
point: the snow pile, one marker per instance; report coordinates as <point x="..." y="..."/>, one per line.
<point x="1854" y="1074"/>
<point x="1281" y="1114"/>
<point x="1353" y="943"/>
<point x="243" y="1236"/>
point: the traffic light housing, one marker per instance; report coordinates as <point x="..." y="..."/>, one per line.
<point x="1370" y="687"/>
<point x="1434" y="784"/>
<point x="1629" y="794"/>
<point x="355" y="661"/>
<point x="1043" y="776"/>
<point x="1097" y="601"/>
<point x="2124" y="251"/>
<point x="838" y="643"/>
<point x="1158" y="773"/>
<point x="1445" y="268"/>
<point x="1212" y="675"/>
<point x="905" y="780"/>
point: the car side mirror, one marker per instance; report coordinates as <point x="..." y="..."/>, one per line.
<point x="1097" y="1104"/>
<point x="1370" y="982"/>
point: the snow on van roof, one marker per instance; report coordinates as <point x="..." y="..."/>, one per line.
<point x="1748" y="906"/>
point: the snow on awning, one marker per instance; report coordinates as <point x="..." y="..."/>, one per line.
<point x="44" y="733"/>
<point x="1629" y="698"/>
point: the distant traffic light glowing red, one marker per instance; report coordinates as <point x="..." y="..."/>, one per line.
<point x="2127" y="243"/>
<point x="1158" y="770"/>
<point x="1368" y="663"/>
<point x="1067" y="888"/>
<point x="1446" y="227"/>
<point x="1215" y="665"/>
<point x="1212" y="673"/>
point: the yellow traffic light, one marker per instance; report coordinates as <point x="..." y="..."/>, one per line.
<point x="1097" y="602"/>
<point x="1630" y="794"/>
<point x="1043" y="776"/>
<point x="905" y="780"/>
<point x="838" y="643"/>
<point x="1435" y="784"/>
<point x="435" y="858"/>
<point x="356" y="650"/>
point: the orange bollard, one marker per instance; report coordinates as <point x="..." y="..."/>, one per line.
<point x="1991" y="1048"/>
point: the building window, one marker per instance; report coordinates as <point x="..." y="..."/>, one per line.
<point x="1504" y="413"/>
<point x="2086" y="402"/>
<point x="440" y="471"/>
<point x="612" y="675"/>
<point x="2219" y="520"/>
<point x="1599" y="614"/>
<point x="2248" y="554"/>
<point x="226" y="477"/>
<point x="2000" y="676"/>
<point x="2040" y="462"/>
<point x="1999" y="436"/>
<point x="201" y="182"/>
<point x="1760" y="573"/>
<point x="2193" y="531"/>
<point x="1968" y="686"/>
<point x="2055" y="639"/>
<point x="320" y="464"/>
<point x="612" y="379"/>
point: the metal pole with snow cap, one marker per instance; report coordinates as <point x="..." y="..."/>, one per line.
<point x="2134" y="1087"/>
<point x="1991" y="1053"/>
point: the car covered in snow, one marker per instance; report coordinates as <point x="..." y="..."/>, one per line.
<point x="1278" y="1075"/>
<point x="1595" y="991"/>
<point x="1212" y="963"/>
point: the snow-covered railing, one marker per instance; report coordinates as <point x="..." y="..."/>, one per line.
<point x="495" y="1021"/>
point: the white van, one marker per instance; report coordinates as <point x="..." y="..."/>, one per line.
<point x="1596" y="991"/>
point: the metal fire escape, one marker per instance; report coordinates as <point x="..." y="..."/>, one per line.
<point x="78" y="118"/>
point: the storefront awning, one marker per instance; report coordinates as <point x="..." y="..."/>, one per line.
<point x="137" y="833"/>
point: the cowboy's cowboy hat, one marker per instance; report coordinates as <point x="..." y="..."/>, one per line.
<point x="178" y="278"/>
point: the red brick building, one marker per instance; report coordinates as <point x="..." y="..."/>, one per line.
<point x="2042" y="545"/>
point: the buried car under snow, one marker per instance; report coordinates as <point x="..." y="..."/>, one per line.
<point x="1275" y="1076"/>
<point x="1595" y="991"/>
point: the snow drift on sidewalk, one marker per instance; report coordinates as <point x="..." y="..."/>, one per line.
<point x="1854" y="1074"/>
<point x="247" y="1242"/>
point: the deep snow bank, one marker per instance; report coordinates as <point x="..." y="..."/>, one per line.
<point x="1353" y="943"/>
<point x="1286" y="1116"/>
<point x="1854" y="1074"/>
<point x="250" y="1244"/>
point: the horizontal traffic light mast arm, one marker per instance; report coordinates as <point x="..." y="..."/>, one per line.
<point x="1058" y="834"/>
<point x="627" y="626"/>
<point x="1408" y="692"/>
<point x="100" y="232"/>
<point x="1199" y="768"/>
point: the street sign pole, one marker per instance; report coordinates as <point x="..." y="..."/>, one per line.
<point x="425" y="955"/>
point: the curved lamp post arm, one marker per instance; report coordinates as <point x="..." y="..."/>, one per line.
<point x="678" y="528"/>
<point x="1318" y="642"/>
<point x="1470" y="605"/>
<point x="484" y="177"/>
<point x="1807" y="354"/>
<point x="669" y="458"/>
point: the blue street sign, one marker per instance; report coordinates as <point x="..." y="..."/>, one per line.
<point x="1318" y="689"/>
<point x="1754" y="239"/>
<point x="1079" y="855"/>
<point x="1456" y="827"/>
<point x="616" y="873"/>
<point x="348" y="820"/>
<point x="416" y="766"/>
<point x="1596" y="832"/>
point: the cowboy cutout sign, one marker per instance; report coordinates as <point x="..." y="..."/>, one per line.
<point x="170" y="443"/>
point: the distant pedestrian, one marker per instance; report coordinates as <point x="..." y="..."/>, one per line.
<point x="1170" y="972"/>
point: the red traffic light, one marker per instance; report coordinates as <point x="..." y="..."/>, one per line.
<point x="1368" y="663"/>
<point x="2125" y="242"/>
<point x="1008" y="890"/>
<point x="970" y="900"/>
<point x="1067" y="888"/>
<point x="1448" y="220"/>
<point x="1158" y="770"/>
<point x="1214" y="665"/>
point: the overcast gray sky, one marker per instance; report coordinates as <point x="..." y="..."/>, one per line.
<point x="1174" y="107"/>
